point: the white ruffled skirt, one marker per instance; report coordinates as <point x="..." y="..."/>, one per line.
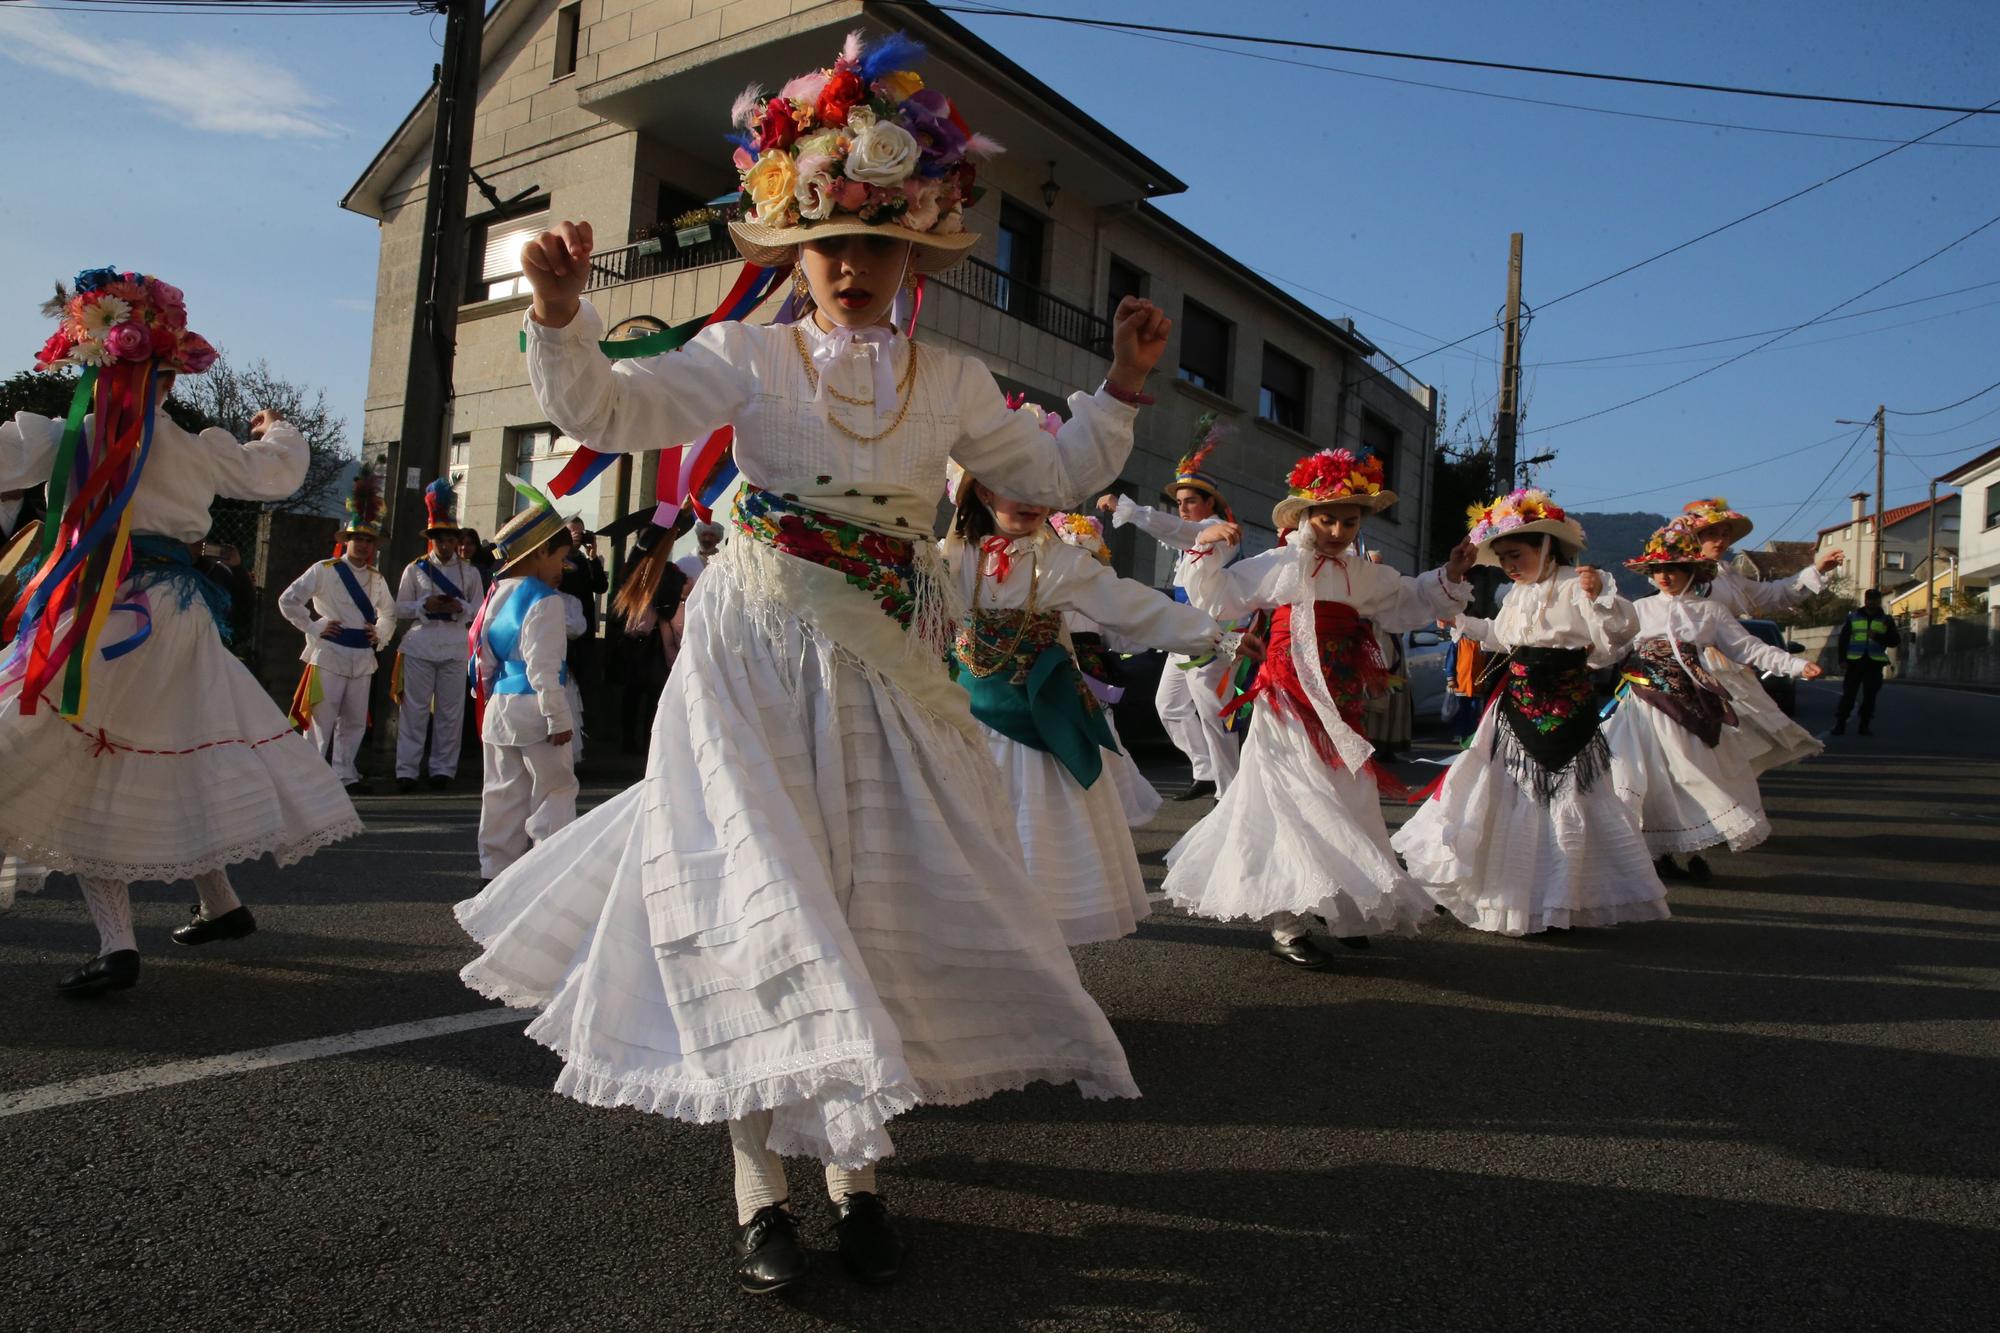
<point x="1138" y="797"/>
<point x="1687" y="795"/>
<point x="180" y="764"/>
<point x="1768" y="739"/>
<point x="806" y="906"/>
<point x="1076" y="841"/>
<point x="1291" y="834"/>
<point x="1503" y="862"/>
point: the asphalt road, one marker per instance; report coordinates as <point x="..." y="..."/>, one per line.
<point x="1774" y="1111"/>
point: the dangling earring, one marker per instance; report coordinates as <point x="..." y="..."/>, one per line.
<point x="801" y="288"/>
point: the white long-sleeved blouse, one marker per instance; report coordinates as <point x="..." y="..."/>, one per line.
<point x="1066" y="579"/>
<point x="1703" y="621"/>
<point x="1554" y="613"/>
<point x="1740" y="596"/>
<point x="1394" y="601"/>
<point x="1177" y="534"/>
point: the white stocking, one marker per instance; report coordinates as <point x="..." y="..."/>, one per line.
<point x="110" y="904"/>
<point x="760" y="1173"/>
<point x="217" y="898"/>
<point x="841" y="1182"/>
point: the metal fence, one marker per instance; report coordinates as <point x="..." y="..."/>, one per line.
<point x="995" y="287"/>
<point x="656" y="258"/>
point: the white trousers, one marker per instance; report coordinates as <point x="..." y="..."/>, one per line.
<point x="339" y="719"/>
<point x="433" y="698"/>
<point x="530" y="792"/>
<point x="1192" y="716"/>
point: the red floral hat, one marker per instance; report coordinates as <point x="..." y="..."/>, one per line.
<point x="1331" y="476"/>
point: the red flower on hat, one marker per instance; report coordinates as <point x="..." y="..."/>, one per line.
<point x="54" y="350"/>
<point x="843" y="92"/>
<point x="777" y="127"/>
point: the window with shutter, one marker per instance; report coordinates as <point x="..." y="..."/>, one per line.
<point x="1281" y="398"/>
<point x="498" y="244"/>
<point x="1204" y="348"/>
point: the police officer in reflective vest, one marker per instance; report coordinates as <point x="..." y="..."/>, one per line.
<point x="1864" y="644"/>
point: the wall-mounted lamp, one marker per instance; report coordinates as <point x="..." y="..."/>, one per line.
<point x="1049" y="187"/>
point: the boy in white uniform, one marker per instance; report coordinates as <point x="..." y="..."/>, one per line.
<point x="527" y="720"/>
<point x="441" y="593"/>
<point x="347" y="615"/>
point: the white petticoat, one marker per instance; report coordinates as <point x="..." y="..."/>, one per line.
<point x="1767" y="738"/>
<point x="806" y="906"/>
<point x="180" y="764"/>
<point x="1293" y="835"/>
<point x="1077" y="844"/>
<point x="1138" y="797"/>
<point x="1500" y="861"/>
<point x="1687" y="795"/>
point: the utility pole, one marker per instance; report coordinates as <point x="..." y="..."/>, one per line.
<point x="1881" y="468"/>
<point x="418" y="454"/>
<point x="1508" y="421"/>
<point x="1930" y="564"/>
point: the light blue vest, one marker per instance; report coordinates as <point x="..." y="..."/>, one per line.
<point x="503" y="636"/>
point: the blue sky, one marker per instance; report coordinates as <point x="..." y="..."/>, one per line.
<point x="221" y="146"/>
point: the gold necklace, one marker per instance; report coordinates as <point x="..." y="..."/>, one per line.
<point x="1027" y="615"/>
<point x="902" y="391"/>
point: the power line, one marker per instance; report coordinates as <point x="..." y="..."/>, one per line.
<point x="1752" y="351"/>
<point x="1933" y="411"/>
<point x="1122" y="25"/>
<point x="221" y="8"/>
<point x="1710" y="476"/>
<point x="1831" y="473"/>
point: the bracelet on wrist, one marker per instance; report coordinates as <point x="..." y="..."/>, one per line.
<point x="1131" y="397"/>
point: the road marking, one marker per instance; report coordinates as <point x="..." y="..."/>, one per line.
<point x="99" y="1086"/>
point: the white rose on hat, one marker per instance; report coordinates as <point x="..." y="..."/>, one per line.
<point x="884" y="153"/>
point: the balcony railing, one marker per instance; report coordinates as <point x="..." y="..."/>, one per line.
<point x="633" y="263"/>
<point x="991" y="286"/>
<point x="974" y="278"/>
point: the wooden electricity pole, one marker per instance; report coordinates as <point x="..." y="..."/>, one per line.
<point x="1508" y="421"/>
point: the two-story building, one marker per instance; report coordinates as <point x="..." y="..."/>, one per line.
<point x="1978" y="482"/>
<point x="614" y="111"/>
<point x="1906" y="548"/>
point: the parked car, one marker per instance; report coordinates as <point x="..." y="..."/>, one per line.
<point x="1784" y="691"/>
<point x="1425" y="652"/>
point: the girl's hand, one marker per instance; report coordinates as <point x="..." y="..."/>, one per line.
<point x="557" y="266"/>
<point x="1831" y="560"/>
<point x="1227" y="534"/>
<point x="1461" y="560"/>
<point x="1813" y="669"/>
<point x="1108" y="503"/>
<point x="1591" y="581"/>
<point x="561" y="737"/>
<point x="1138" y="339"/>
<point x="263" y="421"/>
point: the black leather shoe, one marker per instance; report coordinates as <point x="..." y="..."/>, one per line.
<point x="870" y="1249"/>
<point x="231" y="925"/>
<point x="406" y="785"/>
<point x="1301" y="952"/>
<point x="1353" y="941"/>
<point x="1666" y="868"/>
<point x="1197" y="789"/>
<point x="112" y="971"/>
<point x="768" y="1256"/>
<point x="1698" y="871"/>
<point x="439" y="781"/>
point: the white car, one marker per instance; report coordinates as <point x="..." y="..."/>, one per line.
<point x="1425" y="652"/>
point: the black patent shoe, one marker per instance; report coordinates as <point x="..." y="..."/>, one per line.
<point x="118" y="970"/>
<point x="1301" y="952"/>
<point x="231" y="925"/>
<point x="1666" y="868"/>
<point x="1353" y="941"/>
<point x="440" y="781"/>
<point x="870" y="1249"/>
<point x="768" y="1255"/>
<point x="1698" y="871"/>
<point x="1197" y="789"/>
<point x="404" y="786"/>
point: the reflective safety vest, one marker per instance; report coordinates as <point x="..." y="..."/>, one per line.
<point x="1867" y="636"/>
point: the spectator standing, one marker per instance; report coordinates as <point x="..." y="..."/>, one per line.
<point x="1865" y="641"/>
<point x="583" y="578"/>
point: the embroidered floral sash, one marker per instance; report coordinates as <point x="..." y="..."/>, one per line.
<point x="1350" y="658"/>
<point x="1682" y="688"/>
<point x="1548" y="732"/>
<point x="883" y="567"/>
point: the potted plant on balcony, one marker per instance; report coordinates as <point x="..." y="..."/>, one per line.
<point x="646" y="242"/>
<point x="696" y="226"/>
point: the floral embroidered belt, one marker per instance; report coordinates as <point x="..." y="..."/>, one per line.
<point x="1681" y="687"/>
<point x="1548" y="732"/>
<point x="1023" y="685"/>
<point x="1005" y="643"/>
<point x="881" y="566"/>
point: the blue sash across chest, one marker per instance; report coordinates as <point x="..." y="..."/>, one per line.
<point x="348" y="637"/>
<point x="443" y="584"/>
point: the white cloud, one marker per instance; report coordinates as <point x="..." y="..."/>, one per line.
<point x="192" y="84"/>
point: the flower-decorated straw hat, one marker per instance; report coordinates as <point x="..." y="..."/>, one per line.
<point x="1677" y="545"/>
<point x="1192" y="470"/>
<point x="113" y="318"/>
<point x="1714" y="518"/>
<point x="860" y="148"/>
<point x="1331" y="476"/>
<point x="1522" y="513"/>
<point x="1084" y="532"/>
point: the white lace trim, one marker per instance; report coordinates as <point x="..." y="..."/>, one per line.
<point x="285" y="851"/>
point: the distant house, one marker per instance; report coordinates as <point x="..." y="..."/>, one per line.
<point x="1978" y="481"/>
<point x="1904" y="550"/>
<point x="1780" y="560"/>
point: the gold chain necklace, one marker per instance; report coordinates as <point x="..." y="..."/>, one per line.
<point x="902" y="391"/>
<point x="1027" y="615"/>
